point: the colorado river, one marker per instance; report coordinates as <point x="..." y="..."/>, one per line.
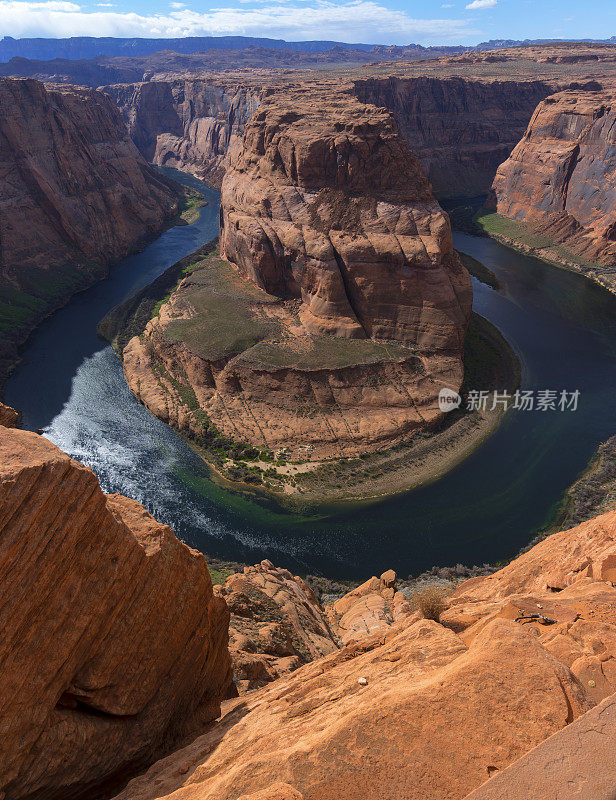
<point x="563" y="327"/>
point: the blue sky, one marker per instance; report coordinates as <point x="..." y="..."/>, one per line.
<point x="379" y="21"/>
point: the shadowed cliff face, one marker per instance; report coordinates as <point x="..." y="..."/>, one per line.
<point x="561" y="177"/>
<point x="188" y="124"/>
<point x="113" y="644"/>
<point x="75" y="195"/>
<point x="460" y="130"/>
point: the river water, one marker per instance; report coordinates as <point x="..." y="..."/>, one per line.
<point x="563" y="327"/>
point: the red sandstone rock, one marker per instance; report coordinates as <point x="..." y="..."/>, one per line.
<point x="372" y="607"/>
<point x="276" y="624"/>
<point x="461" y="130"/>
<point x="277" y="791"/>
<point x="186" y="123"/>
<point x="560" y="179"/>
<point x="8" y="416"/>
<point x="75" y="195"/>
<point x="433" y="720"/>
<point x="113" y="646"/>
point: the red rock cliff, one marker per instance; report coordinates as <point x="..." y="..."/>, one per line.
<point x="113" y="646"/>
<point x="460" y="130"/>
<point x="186" y="123"/>
<point x="324" y="202"/>
<point x="75" y="195"/>
<point x="561" y="178"/>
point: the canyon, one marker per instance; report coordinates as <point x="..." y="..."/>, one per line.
<point x="374" y="692"/>
<point x="320" y="326"/>
<point x="291" y="336"/>
<point x="75" y="196"/>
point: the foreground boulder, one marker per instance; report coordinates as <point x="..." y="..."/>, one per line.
<point x="113" y="645"/>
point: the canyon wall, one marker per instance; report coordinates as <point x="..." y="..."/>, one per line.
<point x="186" y="123"/>
<point x="461" y="130"/>
<point x="113" y="646"/>
<point x="560" y="180"/>
<point x="75" y="195"/>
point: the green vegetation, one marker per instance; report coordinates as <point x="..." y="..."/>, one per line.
<point x="191" y="202"/>
<point x="489" y="361"/>
<point x="480" y="271"/>
<point x="326" y="352"/>
<point x="219" y="576"/>
<point x="492" y="224"/>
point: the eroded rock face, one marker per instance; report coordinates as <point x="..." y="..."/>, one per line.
<point x="460" y="130"/>
<point x="276" y="624"/>
<point x="324" y="210"/>
<point x="560" y="178"/>
<point x="188" y="124"/>
<point x="113" y="645"/>
<point x="8" y="416"/>
<point x="75" y="195"/>
<point x="325" y="203"/>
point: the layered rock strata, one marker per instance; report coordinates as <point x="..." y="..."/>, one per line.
<point x="75" y="195"/>
<point x="187" y="123"/>
<point x="461" y="130"/>
<point x="559" y="180"/>
<point x="113" y="645"/>
<point x="276" y="624"/>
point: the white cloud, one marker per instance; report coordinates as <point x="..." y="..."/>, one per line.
<point x="447" y="5"/>
<point x="177" y="5"/>
<point x="482" y="4"/>
<point x="350" y="21"/>
<point x="106" y="5"/>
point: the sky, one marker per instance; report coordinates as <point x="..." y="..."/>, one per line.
<point x="426" y="22"/>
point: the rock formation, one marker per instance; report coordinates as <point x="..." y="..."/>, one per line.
<point x="113" y="645"/>
<point x="359" y="305"/>
<point x="186" y="123"/>
<point x="560" y="178"/>
<point x="276" y="624"/>
<point x="372" y="607"/>
<point x="460" y="130"/>
<point x="75" y="195"/>
<point x="8" y="416"/>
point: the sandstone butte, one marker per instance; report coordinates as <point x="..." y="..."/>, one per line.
<point x="362" y="305"/>
<point x="560" y="179"/>
<point x="115" y="651"/>
<point x="75" y="196"/>
<point x="113" y="646"/>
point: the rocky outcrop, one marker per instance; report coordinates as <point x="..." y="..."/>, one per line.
<point x="113" y="645"/>
<point x="188" y="124"/>
<point x="276" y="624"/>
<point x="8" y="416"/>
<point x="75" y="195"/>
<point x="460" y="129"/>
<point x="350" y="305"/>
<point x="372" y="607"/>
<point x="559" y="180"/>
